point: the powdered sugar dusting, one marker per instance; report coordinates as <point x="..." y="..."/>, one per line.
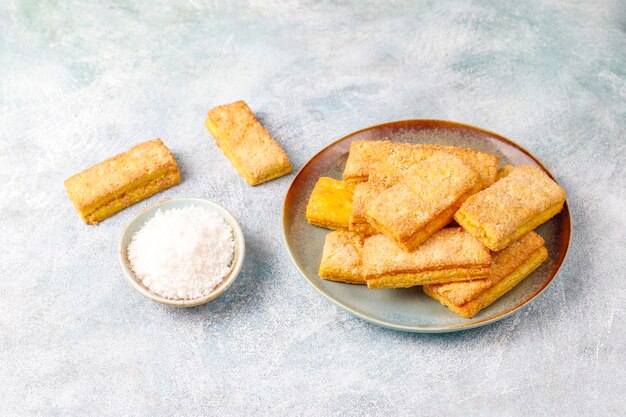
<point x="182" y="253"/>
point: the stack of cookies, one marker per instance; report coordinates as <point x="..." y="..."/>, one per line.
<point x="440" y="217"/>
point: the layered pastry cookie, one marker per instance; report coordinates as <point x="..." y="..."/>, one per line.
<point x="393" y="169"/>
<point x="125" y="179"/>
<point x="512" y="207"/>
<point x="364" y="193"/>
<point x="425" y="201"/>
<point x="508" y="267"/>
<point x="245" y="142"/>
<point x="342" y="258"/>
<point x="366" y="156"/>
<point x="330" y="204"/>
<point x="485" y="164"/>
<point x="449" y="255"/>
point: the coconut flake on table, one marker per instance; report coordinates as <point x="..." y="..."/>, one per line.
<point x="182" y="253"/>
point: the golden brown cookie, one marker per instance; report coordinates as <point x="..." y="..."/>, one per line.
<point x="245" y="142"/>
<point x="330" y="204"/>
<point x="449" y="255"/>
<point x="342" y="258"/>
<point x="512" y="207"/>
<point x="425" y="200"/>
<point x="364" y="193"/>
<point x="125" y="179"/>
<point x="508" y="267"/>
<point x="390" y="158"/>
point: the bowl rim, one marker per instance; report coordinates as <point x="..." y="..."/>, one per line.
<point x="435" y="329"/>
<point x="240" y="248"/>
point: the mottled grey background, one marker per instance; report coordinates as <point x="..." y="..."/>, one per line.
<point x="83" y="80"/>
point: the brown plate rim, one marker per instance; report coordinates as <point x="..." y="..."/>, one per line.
<point x="565" y="243"/>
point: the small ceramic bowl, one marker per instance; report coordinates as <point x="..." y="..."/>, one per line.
<point x="148" y="213"/>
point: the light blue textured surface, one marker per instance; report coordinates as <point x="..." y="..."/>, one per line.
<point x="83" y="80"/>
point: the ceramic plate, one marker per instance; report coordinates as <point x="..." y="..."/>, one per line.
<point x="410" y="309"/>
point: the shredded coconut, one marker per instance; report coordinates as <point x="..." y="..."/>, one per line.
<point x="182" y="253"/>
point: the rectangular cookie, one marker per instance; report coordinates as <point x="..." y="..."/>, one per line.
<point x="393" y="168"/>
<point x="383" y="175"/>
<point x="125" y="179"/>
<point x="512" y="207"/>
<point x="342" y="258"/>
<point x="363" y="155"/>
<point x="485" y="164"/>
<point x="364" y="193"/>
<point x="330" y="204"/>
<point x="390" y="157"/>
<point x="449" y="255"/>
<point x="508" y="268"/>
<point x="246" y="143"/>
<point x="425" y="201"/>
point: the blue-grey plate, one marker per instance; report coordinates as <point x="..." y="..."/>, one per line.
<point x="410" y="309"/>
